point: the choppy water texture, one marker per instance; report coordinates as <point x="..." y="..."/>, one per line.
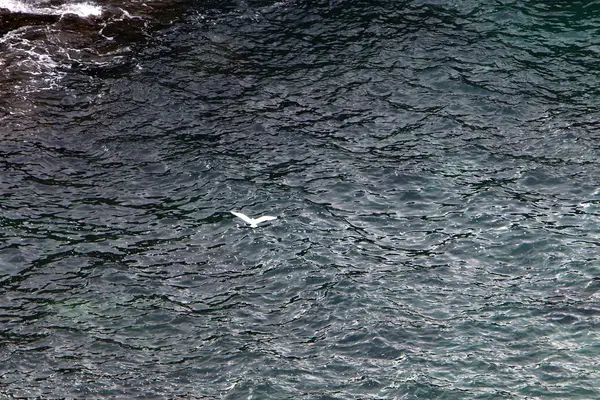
<point x="434" y="166"/>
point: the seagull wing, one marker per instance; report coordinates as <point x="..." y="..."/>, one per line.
<point x="263" y="219"/>
<point x="244" y="217"/>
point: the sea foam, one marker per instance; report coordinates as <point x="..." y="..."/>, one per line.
<point x="84" y="9"/>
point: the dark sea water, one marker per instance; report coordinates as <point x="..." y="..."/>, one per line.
<point x="434" y="167"/>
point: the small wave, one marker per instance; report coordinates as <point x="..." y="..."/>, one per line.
<point x="80" y="9"/>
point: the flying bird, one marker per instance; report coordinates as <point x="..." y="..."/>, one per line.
<point x="253" y="222"/>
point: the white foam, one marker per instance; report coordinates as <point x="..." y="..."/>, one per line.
<point x="85" y="9"/>
<point x="35" y="66"/>
<point x="82" y="9"/>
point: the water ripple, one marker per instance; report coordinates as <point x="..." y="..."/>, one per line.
<point x="432" y="167"/>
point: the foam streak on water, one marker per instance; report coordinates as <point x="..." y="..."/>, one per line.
<point x="84" y="9"/>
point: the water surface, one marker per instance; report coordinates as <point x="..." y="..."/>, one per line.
<point x="433" y="166"/>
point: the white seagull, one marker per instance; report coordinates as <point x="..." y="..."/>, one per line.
<point x="253" y="221"/>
